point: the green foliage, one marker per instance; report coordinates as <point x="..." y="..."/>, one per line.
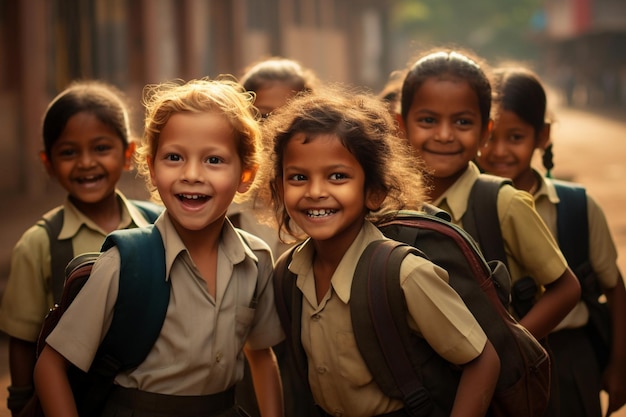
<point x="495" y="29"/>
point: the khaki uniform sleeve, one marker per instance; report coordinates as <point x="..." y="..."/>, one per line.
<point x="438" y="313"/>
<point x="27" y="296"/>
<point x="530" y="247"/>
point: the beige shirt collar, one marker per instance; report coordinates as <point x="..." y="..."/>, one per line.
<point x="302" y="264"/>
<point x="546" y="189"/>
<point x="232" y="244"/>
<point x="74" y="219"/>
<point x="454" y="199"/>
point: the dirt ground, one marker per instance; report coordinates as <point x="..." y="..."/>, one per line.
<point x="590" y="148"/>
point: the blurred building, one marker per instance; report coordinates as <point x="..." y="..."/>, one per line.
<point x="585" y="50"/>
<point x="45" y="44"/>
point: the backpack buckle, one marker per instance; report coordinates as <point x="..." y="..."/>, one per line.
<point x="418" y="403"/>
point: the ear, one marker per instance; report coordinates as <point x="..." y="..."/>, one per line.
<point x="247" y="177"/>
<point x="128" y="155"/>
<point x="401" y="126"/>
<point x="46" y="163"/>
<point x="484" y="137"/>
<point x="150" y="162"/>
<point x="543" y="139"/>
<point x="374" y="199"/>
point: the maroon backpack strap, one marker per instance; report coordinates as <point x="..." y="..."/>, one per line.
<point x="379" y="321"/>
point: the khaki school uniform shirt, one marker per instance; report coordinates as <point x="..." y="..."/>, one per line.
<point x="340" y="380"/>
<point x="602" y="251"/>
<point x="28" y="294"/>
<point x="199" y="349"/>
<point x="529" y="246"/>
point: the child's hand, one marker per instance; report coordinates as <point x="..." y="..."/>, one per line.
<point x="614" y="383"/>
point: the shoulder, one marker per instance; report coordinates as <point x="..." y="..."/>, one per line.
<point x="261" y="250"/>
<point x="254" y="242"/>
<point x="34" y="240"/>
<point x="512" y="201"/>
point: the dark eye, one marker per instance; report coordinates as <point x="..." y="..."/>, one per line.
<point x="103" y="148"/>
<point x="214" y="160"/>
<point x="66" y="153"/>
<point x="172" y="157"/>
<point x="337" y="176"/>
<point x="297" y="177"/>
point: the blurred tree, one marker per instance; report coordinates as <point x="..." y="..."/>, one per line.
<point x="495" y="29"/>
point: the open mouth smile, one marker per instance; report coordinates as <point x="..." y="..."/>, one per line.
<point x="192" y="197"/>
<point x="320" y="212"/>
<point x="89" y="179"/>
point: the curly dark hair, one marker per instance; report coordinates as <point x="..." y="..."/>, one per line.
<point x="364" y="126"/>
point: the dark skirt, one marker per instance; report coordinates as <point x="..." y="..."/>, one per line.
<point x="578" y="374"/>
<point x="125" y="402"/>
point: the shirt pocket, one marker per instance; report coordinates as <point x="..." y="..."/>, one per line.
<point x="244" y="317"/>
<point x="352" y="367"/>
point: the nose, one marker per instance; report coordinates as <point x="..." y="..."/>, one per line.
<point x="316" y="189"/>
<point x="86" y="160"/>
<point x="444" y="133"/>
<point x="192" y="172"/>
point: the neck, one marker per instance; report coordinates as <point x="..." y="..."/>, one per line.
<point x="528" y="182"/>
<point x="438" y="186"/>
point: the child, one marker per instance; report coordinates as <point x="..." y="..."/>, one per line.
<point x="519" y="129"/>
<point x="199" y="150"/>
<point x="276" y="80"/>
<point x="87" y="146"/>
<point x="446" y="102"/>
<point x="273" y="81"/>
<point x="336" y="166"/>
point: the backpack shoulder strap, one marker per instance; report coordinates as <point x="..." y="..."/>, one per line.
<point x="143" y="295"/>
<point x="149" y="210"/>
<point x="61" y="251"/>
<point x="288" y="300"/>
<point x="481" y="219"/>
<point x="572" y="222"/>
<point x="383" y="336"/>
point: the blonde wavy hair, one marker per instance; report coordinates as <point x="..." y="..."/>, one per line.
<point x="221" y="95"/>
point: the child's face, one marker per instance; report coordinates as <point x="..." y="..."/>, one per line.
<point x="509" y="150"/>
<point x="88" y="159"/>
<point x="196" y="169"/>
<point x="323" y="188"/>
<point x="444" y="126"/>
<point x="272" y="96"/>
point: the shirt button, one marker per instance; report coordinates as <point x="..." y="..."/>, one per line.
<point x="338" y="413"/>
<point x="321" y="369"/>
<point x="316" y="317"/>
<point x="219" y="357"/>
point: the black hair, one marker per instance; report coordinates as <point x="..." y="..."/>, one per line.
<point x="279" y="69"/>
<point x="520" y="91"/>
<point x="104" y="101"/>
<point x="446" y="64"/>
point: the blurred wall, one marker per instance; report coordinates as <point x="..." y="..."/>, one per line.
<point x="45" y="44"/>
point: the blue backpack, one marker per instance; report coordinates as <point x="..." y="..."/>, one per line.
<point x="138" y="316"/>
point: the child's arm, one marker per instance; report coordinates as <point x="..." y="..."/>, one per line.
<point x="558" y="300"/>
<point x="266" y="379"/>
<point x="52" y="385"/>
<point x="21" y="365"/>
<point x="477" y="384"/>
<point x="613" y="380"/>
